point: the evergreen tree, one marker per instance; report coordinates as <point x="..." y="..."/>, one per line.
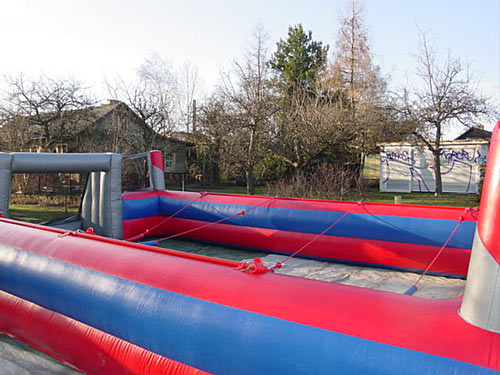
<point x="298" y="60"/>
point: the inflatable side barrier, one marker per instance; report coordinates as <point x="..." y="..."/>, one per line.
<point x="403" y="237"/>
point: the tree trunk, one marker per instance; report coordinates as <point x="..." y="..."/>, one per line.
<point x="250" y="182"/>
<point x="436" y="153"/>
<point x="437" y="172"/>
<point x="298" y="154"/>
<point x="203" y="172"/>
<point x="250" y="163"/>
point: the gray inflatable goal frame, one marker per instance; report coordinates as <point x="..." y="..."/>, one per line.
<point x="102" y="201"/>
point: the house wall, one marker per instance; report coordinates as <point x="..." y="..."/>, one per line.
<point x="117" y="132"/>
<point x="120" y="132"/>
<point x="409" y="168"/>
<point x="179" y="160"/>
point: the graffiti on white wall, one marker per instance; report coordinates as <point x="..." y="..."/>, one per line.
<point x="407" y="168"/>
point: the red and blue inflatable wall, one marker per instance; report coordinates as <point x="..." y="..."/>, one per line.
<point x="383" y="235"/>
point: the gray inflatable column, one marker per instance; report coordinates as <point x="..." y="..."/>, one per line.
<point x="481" y="301"/>
<point x="115" y="210"/>
<point x="5" y="179"/>
<point x="102" y="201"/>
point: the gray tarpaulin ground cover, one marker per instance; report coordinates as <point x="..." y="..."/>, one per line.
<point x="17" y="358"/>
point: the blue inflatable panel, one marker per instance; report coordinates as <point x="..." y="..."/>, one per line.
<point x="413" y="230"/>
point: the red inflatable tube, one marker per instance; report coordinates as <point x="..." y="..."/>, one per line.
<point x="392" y="254"/>
<point x="489" y="222"/>
<point x="156" y="159"/>
<point x="82" y="347"/>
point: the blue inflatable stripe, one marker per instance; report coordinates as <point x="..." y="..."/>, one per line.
<point x="139" y="208"/>
<point x="216" y="338"/>
<point x="419" y="231"/>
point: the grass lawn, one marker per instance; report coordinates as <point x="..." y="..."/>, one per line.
<point x="38" y="214"/>
<point x="448" y="199"/>
<point x="374" y="195"/>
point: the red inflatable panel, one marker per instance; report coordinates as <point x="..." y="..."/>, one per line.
<point x="82" y="347"/>
<point x="137" y="226"/>
<point x="489" y="219"/>
<point x="392" y="254"/>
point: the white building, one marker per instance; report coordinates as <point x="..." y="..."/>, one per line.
<point x="407" y="167"/>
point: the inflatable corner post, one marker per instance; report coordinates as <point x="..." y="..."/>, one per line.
<point x="156" y="171"/>
<point x="481" y="302"/>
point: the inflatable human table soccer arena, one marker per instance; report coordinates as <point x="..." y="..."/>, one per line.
<point x="88" y="294"/>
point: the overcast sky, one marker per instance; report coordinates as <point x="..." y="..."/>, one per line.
<point x="90" y="39"/>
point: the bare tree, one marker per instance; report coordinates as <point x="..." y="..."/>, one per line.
<point x="313" y="126"/>
<point x="213" y="142"/>
<point x="448" y="95"/>
<point x="43" y="113"/>
<point x="361" y="83"/>
<point x="152" y="96"/>
<point x="353" y="59"/>
<point x="190" y="90"/>
<point x="253" y="106"/>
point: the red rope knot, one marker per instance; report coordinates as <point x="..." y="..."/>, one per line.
<point x="90" y="230"/>
<point x="466" y="211"/>
<point x="473" y="212"/>
<point x="256" y="266"/>
<point x="277" y="266"/>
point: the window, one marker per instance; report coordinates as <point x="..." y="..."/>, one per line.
<point x="169" y="162"/>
